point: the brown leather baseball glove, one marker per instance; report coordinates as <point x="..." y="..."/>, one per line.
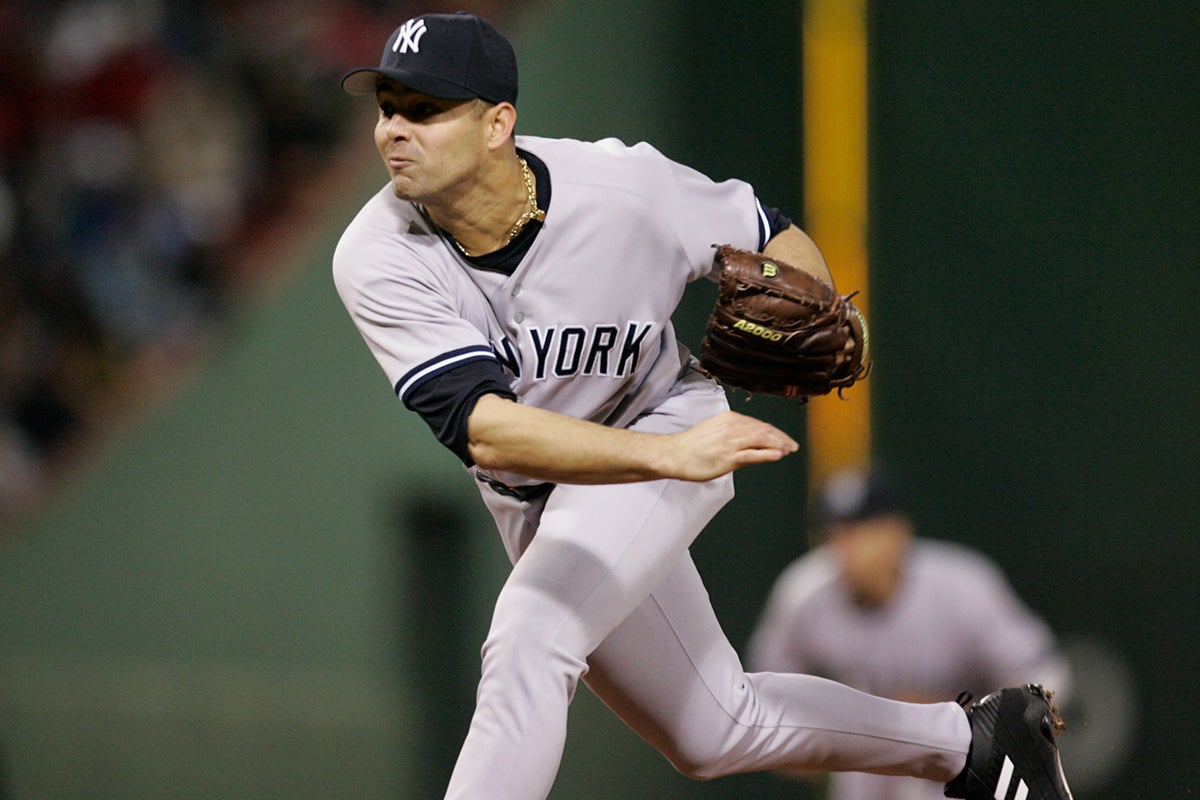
<point x="778" y="330"/>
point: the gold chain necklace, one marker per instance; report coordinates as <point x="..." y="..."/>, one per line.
<point x="531" y="212"/>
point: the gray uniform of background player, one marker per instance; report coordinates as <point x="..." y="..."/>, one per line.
<point x="954" y="624"/>
<point x="603" y="587"/>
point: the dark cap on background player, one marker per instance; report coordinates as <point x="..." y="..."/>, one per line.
<point x="456" y="56"/>
<point x="854" y="495"/>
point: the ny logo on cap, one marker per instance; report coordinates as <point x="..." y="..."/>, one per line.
<point x="408" y="39"/>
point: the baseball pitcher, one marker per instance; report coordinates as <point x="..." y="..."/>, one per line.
<point x="517" y="292"/>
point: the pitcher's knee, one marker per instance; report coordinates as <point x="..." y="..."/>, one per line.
<point x="723" y="737"/>
<point x="700" y="755"/>
<point x="696" y="772"/>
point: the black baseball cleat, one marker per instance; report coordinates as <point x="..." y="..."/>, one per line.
<point x="1013" y="755"/>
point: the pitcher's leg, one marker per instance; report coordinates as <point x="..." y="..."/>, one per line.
<point x="672" y="675"/>
<point x="597" y="554"/>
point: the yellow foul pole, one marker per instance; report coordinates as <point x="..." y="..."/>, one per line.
<point x="835" y="192"/>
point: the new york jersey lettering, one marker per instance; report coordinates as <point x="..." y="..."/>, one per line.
<point x="578" y="350"/>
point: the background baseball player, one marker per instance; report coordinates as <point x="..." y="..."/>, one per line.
<point x="877" y="608"/>
<point x="517" y="291"/>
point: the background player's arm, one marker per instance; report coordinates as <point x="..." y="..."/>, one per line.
<point x="510" y="437"/>
<point x="793" y="246"/>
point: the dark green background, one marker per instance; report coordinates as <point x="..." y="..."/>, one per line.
<point x="243" y="595"/>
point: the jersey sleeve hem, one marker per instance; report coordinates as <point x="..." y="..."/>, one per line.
<point x="439" y="365"/>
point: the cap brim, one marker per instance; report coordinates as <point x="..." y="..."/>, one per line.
<point x="364" y="82"/>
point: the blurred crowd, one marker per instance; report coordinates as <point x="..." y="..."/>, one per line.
<point x="141" y="141"/>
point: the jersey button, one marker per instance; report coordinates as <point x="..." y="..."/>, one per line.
<point x="516" y="290"/>
<point x="519" y="317"/>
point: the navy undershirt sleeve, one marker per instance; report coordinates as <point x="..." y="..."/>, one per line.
<point x="445" y="401"/>
<point x="777" y="223"/>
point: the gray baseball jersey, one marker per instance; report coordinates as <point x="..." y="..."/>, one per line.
<point x="603" y="588"/>
<point x="955" y="624"/>
<point x="582" y="327"/>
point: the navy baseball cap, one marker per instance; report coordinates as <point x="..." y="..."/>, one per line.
<point x="457" y="56"/>
<point x="853" y="495"/>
